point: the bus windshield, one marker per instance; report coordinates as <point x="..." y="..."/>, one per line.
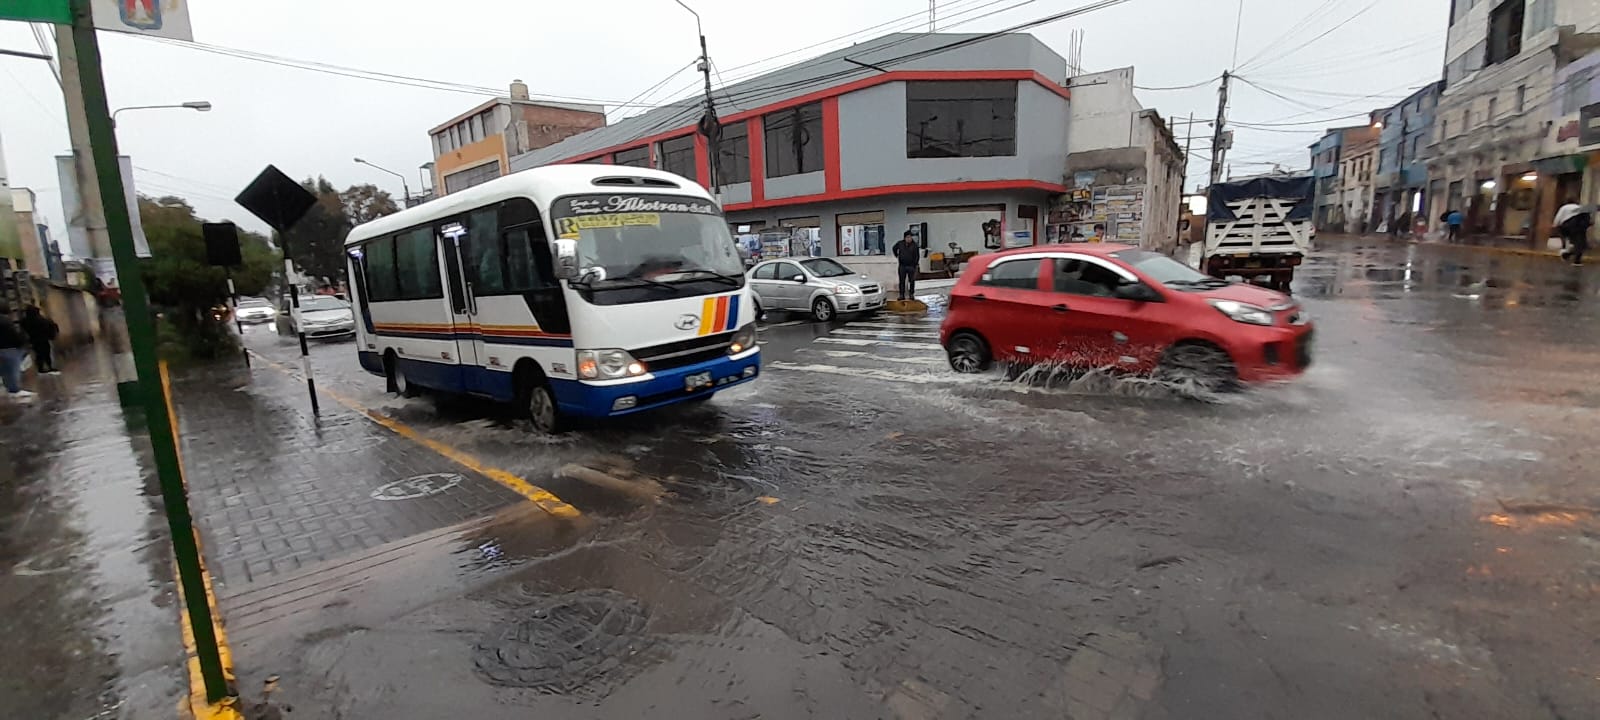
<point x="632" y="240"/>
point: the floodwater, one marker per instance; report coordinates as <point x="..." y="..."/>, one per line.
<point x="1408" y="531"/>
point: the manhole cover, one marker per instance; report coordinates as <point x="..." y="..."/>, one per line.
<point x="562" y="643"/>
<point x="417" y="486"/>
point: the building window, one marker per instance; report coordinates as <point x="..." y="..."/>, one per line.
<point x="1575" y="90"/>
<point x="677" y="156"/>
<point x="461" y="180"/>
<point x="733" y="154"/>
<point x="1522" y="98"/>
<point x="961" y="119"/>
<point x="1505" y="31"/>
<point x="1444" y="128"/>
<point x="793" y="140"/>
<point x="1416" y="145"/>
<point x="633" y="157"/>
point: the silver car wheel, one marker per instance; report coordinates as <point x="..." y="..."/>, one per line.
<point x="822" y="310"/>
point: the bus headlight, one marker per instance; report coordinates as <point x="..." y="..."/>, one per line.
<point x="743" y="340"/>
<point x="607" y="365"/>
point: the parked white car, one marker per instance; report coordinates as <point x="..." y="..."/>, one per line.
<point x="824" y="288"/>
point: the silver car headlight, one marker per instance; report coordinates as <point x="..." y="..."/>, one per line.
<point x="842" y="289"/>
<point x="743" y="340"/>
<point x="608" y="364"/>
<point x="1243" y="312"/>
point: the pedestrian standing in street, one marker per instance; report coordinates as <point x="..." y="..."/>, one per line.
<point x="42" y="333"/>
<point x="1453" y="219"/>
<point x="910" y="256"/>
<point x="12" y="353"/>
<point x="1575" y="229"/>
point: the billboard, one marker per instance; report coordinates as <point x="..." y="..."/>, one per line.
<point x="162" y="18"/>
<point x="78" y="241"/>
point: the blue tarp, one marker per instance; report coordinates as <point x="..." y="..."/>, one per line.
<point x="1298" y="187"/>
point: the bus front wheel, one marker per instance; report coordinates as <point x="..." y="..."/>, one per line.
<point x="398" y="383"/>
<point x="539" y="402"/>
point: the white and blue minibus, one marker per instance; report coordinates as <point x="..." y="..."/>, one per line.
<point x="571" y="290"/>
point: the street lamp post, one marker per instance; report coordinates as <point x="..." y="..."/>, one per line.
<point x="197" y="105"/>
<point x="708" y="123"/>
<point x="406" y="201"/>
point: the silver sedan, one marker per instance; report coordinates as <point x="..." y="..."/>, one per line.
<point x="821" y="287"/>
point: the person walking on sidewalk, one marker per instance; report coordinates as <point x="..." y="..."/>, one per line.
<point x="1453" y="219"/>
<point x="910" y="256"/>
<point x="1575" y="230"/>
<point x="12" y="353"/>
<point x="42" y="333"/>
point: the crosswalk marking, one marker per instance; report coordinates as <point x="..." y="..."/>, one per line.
<point x="875" y="373"/>
<point x="915" y="325"/>
<point x="863" y="342"/>
<point x="932" y="360"/>
<point x="887" y="334"/>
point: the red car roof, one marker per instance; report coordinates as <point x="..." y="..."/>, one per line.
<point x="1085" y="248"/>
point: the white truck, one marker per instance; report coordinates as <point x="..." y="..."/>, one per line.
<point x="1259" y="228"/>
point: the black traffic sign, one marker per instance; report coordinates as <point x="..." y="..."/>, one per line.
<point x="277" y="200"/>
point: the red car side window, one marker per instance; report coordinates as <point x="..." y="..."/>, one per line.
<point x="1021" y="274"/>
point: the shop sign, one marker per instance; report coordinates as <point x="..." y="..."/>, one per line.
<point x="1568" y="131"/>
<point x="1589" y="125"/>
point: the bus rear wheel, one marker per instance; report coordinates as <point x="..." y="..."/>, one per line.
<point x="539" y="402"/>
<point x="398" y="383"/>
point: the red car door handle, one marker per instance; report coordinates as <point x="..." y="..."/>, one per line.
<point x="979" y="297"/>
<point x="1059" y="308"/>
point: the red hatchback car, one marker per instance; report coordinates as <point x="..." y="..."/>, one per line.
<point x="1115" y="306"/>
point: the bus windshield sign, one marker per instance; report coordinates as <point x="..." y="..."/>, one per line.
<point x="626" y="240"/>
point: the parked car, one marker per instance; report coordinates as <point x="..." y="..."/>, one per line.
<point x="822" y="287"/>
<point x="1115" y="306"/>
<point x="255" y="310"/>
<point x="322" y="316"/>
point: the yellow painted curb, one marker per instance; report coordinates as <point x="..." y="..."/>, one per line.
<point x="196" y="705"/>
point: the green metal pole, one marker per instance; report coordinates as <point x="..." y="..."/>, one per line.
<point x="142" y="337"/>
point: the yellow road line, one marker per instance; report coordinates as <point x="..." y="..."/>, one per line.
<point x="196" y="705"/>
<point x="545" y="499"/>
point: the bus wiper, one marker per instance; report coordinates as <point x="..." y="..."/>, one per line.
<point x="648" y="281"/>
<point x="733" y="280"/>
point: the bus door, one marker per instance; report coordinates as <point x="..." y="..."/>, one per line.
<point x="463" y="309"/>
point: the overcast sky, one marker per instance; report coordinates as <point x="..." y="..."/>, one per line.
<point x="310" y="123"/>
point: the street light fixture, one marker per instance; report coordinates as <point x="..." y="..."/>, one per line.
<point x="406" y="201"/>
<point x="199" y="105"/>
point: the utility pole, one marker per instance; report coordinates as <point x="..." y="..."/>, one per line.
<point x="1219" y="144"/>
<point x="933" y="12"/>
<point x="94" y="145"/>
<point x="92" y="202"/>
<point x="1188" y="142"/>
<point x="708" y="122"/>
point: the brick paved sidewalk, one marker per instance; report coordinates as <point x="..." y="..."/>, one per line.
<point x="274" y="490"/>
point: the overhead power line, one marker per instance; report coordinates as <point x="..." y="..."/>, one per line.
<point x="369" y="75"/>
<point x="1325" y="33"/>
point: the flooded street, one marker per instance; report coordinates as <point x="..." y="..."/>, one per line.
<point x="1409" y="531"/>
<point x="865" y="534"/>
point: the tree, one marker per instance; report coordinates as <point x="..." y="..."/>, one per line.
<point x="183" y="286"/>
<point x="317" y="241"/>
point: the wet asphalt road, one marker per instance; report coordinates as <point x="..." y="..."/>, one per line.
<point x="1409" y="531"/>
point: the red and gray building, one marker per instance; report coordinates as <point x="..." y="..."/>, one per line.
<point x="963" y="137"/>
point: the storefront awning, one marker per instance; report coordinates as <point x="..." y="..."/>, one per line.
<point x="1561" y="165"/>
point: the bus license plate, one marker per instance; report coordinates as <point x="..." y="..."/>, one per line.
<point x="696" y="381"/>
